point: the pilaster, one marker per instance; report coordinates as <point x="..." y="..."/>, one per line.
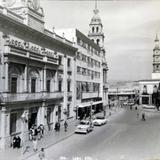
<point x="65" y="85"/>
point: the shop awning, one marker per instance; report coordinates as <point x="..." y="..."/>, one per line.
<point x="88" y="104"/>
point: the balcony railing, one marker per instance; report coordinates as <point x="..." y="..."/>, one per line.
<point x="20" y="97"/>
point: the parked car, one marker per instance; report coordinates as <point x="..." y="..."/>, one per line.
<point x="99" y="121"/>
<point x="84" y="126"/>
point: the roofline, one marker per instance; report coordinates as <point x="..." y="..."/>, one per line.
<point x="28" y="28"/>
<point x="88" y="39"/>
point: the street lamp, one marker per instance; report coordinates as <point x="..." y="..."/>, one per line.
<point x="91" y="111"/>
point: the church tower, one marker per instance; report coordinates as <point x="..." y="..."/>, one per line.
<point x="96" y="28"/>
<point x="156" y="60"/>
<point x="30" y="10"/>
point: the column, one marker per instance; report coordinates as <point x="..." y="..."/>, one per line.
<point x="3" y="127"/>
<point x="74" y="86"/>
<point x="24" y="125"/>
<point x="140" y="99"/>
<point x="41" y="115"/>
<point x="6" y="65"/>
<point x="44" y="79"/>
<point x="26" y="78"/>
<point x="65" y="86"/>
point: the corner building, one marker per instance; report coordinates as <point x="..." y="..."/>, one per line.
<point x="91" y="68"/>
<point x="36" y="72"/>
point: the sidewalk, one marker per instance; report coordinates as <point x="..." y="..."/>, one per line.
<point x="51" y="138"/>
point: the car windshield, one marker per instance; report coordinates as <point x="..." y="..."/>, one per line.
<point x="83" y="123"/>
<point x="100" y="118"/>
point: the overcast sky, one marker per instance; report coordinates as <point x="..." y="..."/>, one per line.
<point x="129" y="27"/>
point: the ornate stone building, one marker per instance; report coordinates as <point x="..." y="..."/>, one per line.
<point x="36" y="71"/>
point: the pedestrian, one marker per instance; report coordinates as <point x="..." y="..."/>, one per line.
<point x="143" y="117"/>
<point x="18" y="142"/>
<point x="65" y="126"/>
<point x="58" y="126"/>
<point x="39" y="133"/>
<point x="34" y="144"/>
<point x="14" y="142"/>
<point x="41" y="130"/>
<point x="41" y="154"/>
<point x="55" y="128"/>
<point x="30" y="134"/>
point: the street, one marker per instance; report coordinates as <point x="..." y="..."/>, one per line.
<point x="124" y="137"/>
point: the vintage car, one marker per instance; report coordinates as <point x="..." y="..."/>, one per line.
<point x="84" y="126"/>
<point x="98" y="121"/>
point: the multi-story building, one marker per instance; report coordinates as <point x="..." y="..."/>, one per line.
<point x="36" y="73"/>
<point x="96" y="34"/>
<point x="91" y="67"/>
<point x="149" y="88"/>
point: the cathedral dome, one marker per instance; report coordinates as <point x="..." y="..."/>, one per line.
<point x="96" y="18"/>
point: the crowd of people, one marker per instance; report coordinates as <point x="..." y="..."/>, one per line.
<point x="36" y="132"/>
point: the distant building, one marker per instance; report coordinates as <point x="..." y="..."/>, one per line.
<point x="36" y="72"/>
<point x="149" y="88"/>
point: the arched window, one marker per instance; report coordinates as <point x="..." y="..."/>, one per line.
<point x="154" y="89"/>
<point x="92" y="29"/>
<point x="97" y="41"/>
<point x="145" y="89"/>
<point x="97" y="29"/>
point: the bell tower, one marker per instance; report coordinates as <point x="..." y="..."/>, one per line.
<point x="156" y="59"/>
<point x="96" y="28"/>
<point x="30" y="10"/>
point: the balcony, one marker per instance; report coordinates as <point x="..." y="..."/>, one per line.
<point x="23" y="97"/>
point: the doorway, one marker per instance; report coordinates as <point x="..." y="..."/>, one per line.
<point x="32" y="120"/>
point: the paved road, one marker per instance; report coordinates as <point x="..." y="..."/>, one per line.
<point x="124" y="137"/>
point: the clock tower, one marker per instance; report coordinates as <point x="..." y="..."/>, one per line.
<point x="30" y="10"/>
<point x="156" y="60"/>
<point x="96" y="28"/>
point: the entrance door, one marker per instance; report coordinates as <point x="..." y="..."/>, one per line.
<point x="32" y="120"/>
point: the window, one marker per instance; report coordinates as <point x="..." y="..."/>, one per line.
<point x="68" y="110"/>
<point x="97" y="29"/>
<point x="60" y="60"/>
<point x="14" y="85"/>
<point x="48" y="85"/>
<point x="60" y="86"/>
<point x="13" y="119"/>
<point x="59" y="113"/>
<point x="98" y="41"/>
<point x="68" y="62"/>
<point x="92" y="29"/>
<point x="79" y="70"/>
<point x="68" y="86"/>
<point x="33" y="85"/>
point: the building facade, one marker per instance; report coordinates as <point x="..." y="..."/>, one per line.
<point x="149" y="89"/>
<point x="90" y="68"/>
<point x="36" y="72"/>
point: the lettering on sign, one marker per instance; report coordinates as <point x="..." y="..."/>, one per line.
<point x="31" y="47"/>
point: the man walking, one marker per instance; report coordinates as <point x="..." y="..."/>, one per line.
<point x="41" y="154"/>
<point x="65" y="126"/>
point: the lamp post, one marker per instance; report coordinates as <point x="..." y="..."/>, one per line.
<point x="91" y="111"/>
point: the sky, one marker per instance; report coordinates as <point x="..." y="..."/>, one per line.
<point x="129" y="26"/>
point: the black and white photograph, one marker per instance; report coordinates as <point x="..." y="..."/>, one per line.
<point x="79" y="79"/>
